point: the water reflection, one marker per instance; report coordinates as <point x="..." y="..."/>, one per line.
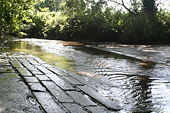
<point x="143" y="94"/>
<point x="53" y="59"/>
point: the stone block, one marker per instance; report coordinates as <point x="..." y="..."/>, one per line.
<point x="36" y="72"/>
<point x="57" y="92"/>
<point x="16" y="63"/>
<point x="84" y="100"/>
<point x="29" y="66"/>
<point x="6" y="69"/>
<point x="36" y="87"/>
<point x="22" y="60"/>
<point x="57" y="71"/>
<point x="31" y="79"/>
<point x="42" y="77"/>
<point x="98" y="109"/>
<point x="72" y="80"/>
<point x="32" y="61"/>
<point x="44" y="70"/>
<point x="101" y="99"/>
<point x="24" y="72"/>
<point x="74" y="108"/>
<point x="60" y="82"/>
<point x="47" y="102"/>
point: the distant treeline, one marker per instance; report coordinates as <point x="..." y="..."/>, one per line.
<point x="91" y="20"/>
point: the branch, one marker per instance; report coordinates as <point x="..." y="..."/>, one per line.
<point x="123" y="4"/>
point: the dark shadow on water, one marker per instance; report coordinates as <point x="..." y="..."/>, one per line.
<point x="104" y="54"/>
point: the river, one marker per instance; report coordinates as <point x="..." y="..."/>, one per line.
<point x="140" y="86"/>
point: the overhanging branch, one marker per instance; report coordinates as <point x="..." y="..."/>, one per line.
<point x="123" y="4"/>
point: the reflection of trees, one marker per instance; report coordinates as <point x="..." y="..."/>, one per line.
<point x="143" y="94"/>
<point x="141" y="89"/>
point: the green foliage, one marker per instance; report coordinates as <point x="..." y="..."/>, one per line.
<point x="86" y="20"/>
<point x="13" y="13"/>
<point x="53" y="5"/>
<point x="44" y="24"/>
<point x="141" y="29"/>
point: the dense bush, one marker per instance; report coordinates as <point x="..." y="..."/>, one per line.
<point x="140" y="29"/>
<point x="13" y="14"/>
<point x="45" y="25"/>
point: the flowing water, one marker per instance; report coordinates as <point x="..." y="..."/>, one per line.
<point x="140" y="86"/>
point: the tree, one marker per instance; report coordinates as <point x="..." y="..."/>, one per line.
<point x="52" y="5"/>
<point x="149" y="8"/>
<point x="13" y="13"/>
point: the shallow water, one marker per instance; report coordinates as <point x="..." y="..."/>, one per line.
<point x="140" y="86"/>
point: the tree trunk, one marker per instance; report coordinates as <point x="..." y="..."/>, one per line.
<point x="149" y="8"/>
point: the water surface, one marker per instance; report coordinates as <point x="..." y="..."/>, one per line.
<point x="140" y="86"/>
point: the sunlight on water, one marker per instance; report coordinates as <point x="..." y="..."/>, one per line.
<point x="53" y="59"/>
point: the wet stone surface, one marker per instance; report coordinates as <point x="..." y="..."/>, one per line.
<point x="24" y="72"/>
<point x="15" y="97"/>
<point x="75" y="108"/>
<point x="31" y="79"/>
<point x="58" y="93"/>
<point x="37" y="87"/>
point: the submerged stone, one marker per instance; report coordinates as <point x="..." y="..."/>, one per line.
<point x="81" y="99"/>
<point x="103" y="100"/>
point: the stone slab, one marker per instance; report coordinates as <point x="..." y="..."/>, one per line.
<point x="6" y="69"/>
<point x="101" y="99"/>
<point x="29" y="66"/>
<point x="36" y="72"/>
<point x="36" y="87"/>
<point x="39" y="60"/>
<point x="11" y="75"/>
<point x="22" y="60"/>
<point x="24" y="72"/>
<point x="31" y="79"/>
<point x="74" y="108"/>
<point x="57" y="71"/>
<point x="44" y="70"/>
<point x="42" y="77"/>
<point x="81" y="99"/>
<point x="47" y="65"/>
<point x="47" y="102"/>
<point x="32" y="61"/>
<point x="60" y="82"/>
<point x="4" y="62"/>
<point x="12" y="58"/>
<point x="80" y="78"/>
<point x="16" y="63"/>
<point x="57" y="92"/>
<point x="72" y="80"/>
<point x="99" y="109"/>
